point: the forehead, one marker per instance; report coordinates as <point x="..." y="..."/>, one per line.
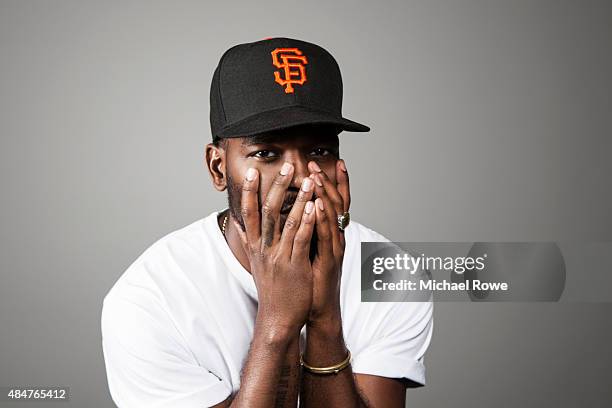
<point x="293" y="137"/>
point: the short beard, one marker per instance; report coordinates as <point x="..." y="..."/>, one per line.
<point x="234" y="194"/>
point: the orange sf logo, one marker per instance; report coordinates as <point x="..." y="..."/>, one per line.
<point x="293" y="62"/>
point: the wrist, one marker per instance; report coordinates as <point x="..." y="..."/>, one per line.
<point x="327" y="326"/>
<point x="324" y="342"/>
<point x="275" y="332"/>
<point x="325" y="319"/>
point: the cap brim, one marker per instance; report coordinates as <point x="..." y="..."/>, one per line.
<point x="287" y="117"/>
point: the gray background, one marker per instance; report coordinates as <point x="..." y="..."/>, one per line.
<point x="490" y="122"/>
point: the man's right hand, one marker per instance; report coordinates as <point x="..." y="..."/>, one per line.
<point x="279" y="262"/>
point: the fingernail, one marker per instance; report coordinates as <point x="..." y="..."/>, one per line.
<point x="342" y="166"/>
<point x="318" y="180"/>
<point x="250" y="174"/>
<point x="307" y="185"/>
<point x="320" y="204"/>
<point x="285" y="169"/>
<point x="316" y="167"/>
<point x="309" y="207"/>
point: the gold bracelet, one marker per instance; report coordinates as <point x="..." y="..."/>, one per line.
<point x="335" y="369"/>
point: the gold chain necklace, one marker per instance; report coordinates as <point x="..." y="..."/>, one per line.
<point x="224" y="225"/>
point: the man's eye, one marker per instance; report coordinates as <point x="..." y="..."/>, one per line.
<point x="264" y="154"/>
<point x="320" y="151"/>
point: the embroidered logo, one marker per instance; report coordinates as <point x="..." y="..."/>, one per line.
<point x="293" y="65"/>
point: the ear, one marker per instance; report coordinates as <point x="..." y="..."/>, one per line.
<point x="215" y="163"/>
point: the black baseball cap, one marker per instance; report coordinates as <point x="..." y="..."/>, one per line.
<point x="273" y="84"/>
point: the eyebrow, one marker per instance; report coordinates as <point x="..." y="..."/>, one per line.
<point x="271" y="139"/>
<point x="260" y="139"/>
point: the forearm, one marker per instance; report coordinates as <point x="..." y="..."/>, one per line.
<point x="325" y="347"/>
<point x="270" y="376"/>
<point x="289" y="382"/>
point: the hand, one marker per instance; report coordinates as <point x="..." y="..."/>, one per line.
<point x="332" y="201"/>
<point x="280" y="263"/>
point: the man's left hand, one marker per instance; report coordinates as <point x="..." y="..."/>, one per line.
<point x="333" y="200"/>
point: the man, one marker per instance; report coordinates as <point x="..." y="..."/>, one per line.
<point x="259" y="305"/>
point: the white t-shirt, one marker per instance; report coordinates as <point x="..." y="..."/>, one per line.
<point x="177" y="325"/>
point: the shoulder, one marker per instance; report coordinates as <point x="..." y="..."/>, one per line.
<point x="357" y="232"/>
<point x="145" y="279"/>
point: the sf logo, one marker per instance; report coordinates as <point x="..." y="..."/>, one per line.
<point x="292" y="62"/>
